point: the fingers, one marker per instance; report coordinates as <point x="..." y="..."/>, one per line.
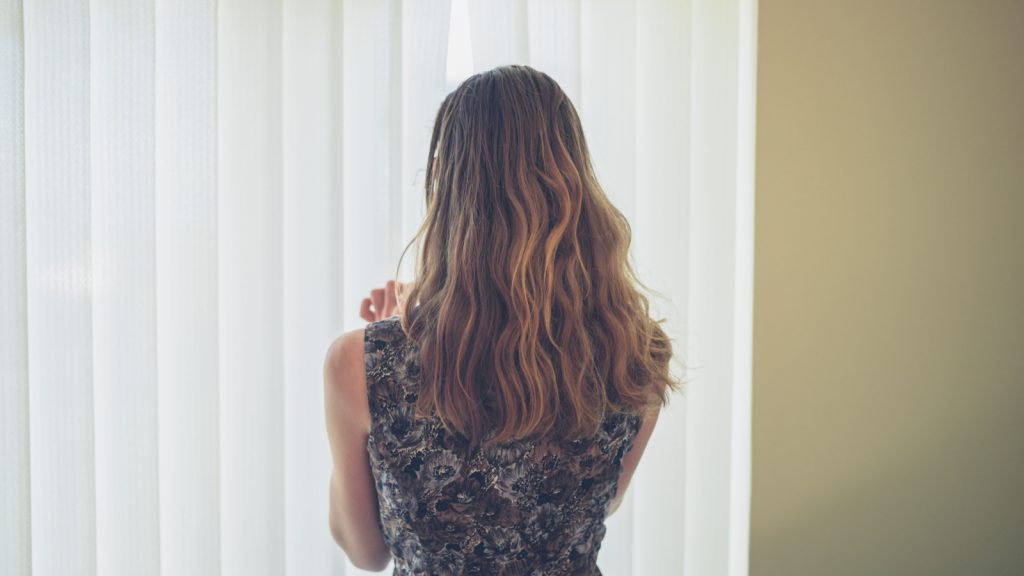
<point x="390" y="299"/>
<point x="364" y="311"/>
<point x="377" y="297"/>
<point x="383" y="302"/>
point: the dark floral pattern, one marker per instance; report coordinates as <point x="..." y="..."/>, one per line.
<point x="524" y="507"/>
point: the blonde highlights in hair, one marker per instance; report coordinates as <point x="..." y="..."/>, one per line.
<point x="530" y="318"/>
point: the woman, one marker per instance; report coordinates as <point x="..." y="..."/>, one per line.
<point x="490" y="417"/>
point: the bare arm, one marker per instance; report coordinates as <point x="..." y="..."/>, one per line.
<point x="632" y="458"/>
<point x="353" y="495"/>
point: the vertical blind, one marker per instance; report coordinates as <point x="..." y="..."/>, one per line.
<point x="196" y="194"/>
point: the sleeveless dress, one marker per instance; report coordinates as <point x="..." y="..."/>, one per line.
<point x="522" y="507"/>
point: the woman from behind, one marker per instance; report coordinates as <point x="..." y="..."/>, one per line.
<point x="492" y="423"/>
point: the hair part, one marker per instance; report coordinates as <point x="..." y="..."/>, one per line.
<point x="529" y="316"/>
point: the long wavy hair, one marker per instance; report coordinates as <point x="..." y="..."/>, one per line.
<point x="530" y="319"/>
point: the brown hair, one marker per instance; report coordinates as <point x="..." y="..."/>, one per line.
<point x="529" y="315"/>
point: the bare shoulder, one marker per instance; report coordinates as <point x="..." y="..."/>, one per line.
<point x="343" y="350"/>
<point x="345" y="382"/>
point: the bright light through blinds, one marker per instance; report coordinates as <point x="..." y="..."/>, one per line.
<point x="195" y="195"/>
<point x="460" y="47"/>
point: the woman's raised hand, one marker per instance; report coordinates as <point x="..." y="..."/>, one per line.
<point x="382" y="303"/>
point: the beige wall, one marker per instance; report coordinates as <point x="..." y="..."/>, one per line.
<point x="889" y="281"/>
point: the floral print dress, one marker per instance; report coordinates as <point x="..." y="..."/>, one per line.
<point x="523" y="507"/>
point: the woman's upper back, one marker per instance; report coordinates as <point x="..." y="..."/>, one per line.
<point x="521" y="507"/>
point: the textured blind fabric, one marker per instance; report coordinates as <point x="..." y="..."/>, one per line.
<point x="187" y="333"/>
<point x="196" y="194"/>
<point x="59" y="288"/>
<point x="15" y="504"/>
<point x="121" y="187"/>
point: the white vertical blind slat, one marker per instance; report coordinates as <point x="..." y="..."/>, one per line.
<point x="661" y="239"/>
<point x="312" y="261"/>
<point x="607" y="104"/>
<point x="394" y="91"/>
<point x="607" y="110"/>
<point x="554" y="42"/>
<point x="15" y="504"/>
<point x="743" y="337"/>
<point x="370" y="238"/>
<point x="371" y="86"/>
<point x="424" y="41"/>
<point x="186" y="297"/>
<point x="717" y="308"/>
<point x="249" y="226"/>
<point x="59" y="286"/>
<point x="124" y="321"/>
<point x="499" y="33"/>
